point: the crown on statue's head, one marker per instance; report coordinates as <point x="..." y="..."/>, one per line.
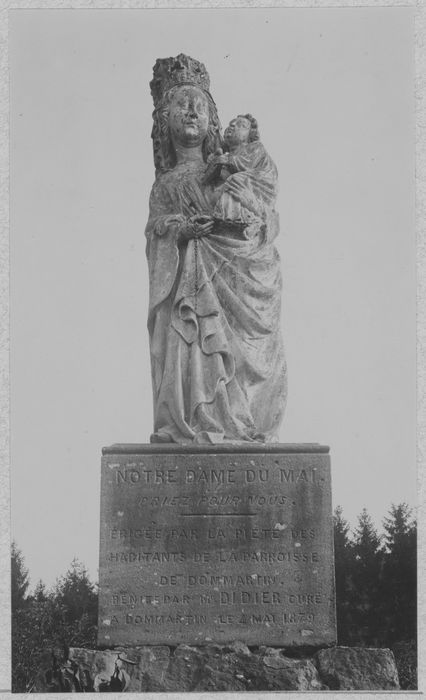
<point x="182" y="70"/>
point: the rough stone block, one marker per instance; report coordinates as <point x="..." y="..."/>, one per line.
<point x="216" y="544"/>
<point x="284" y="673"/>
<point x="356" y="668"/>
<point x="199" y="669"/>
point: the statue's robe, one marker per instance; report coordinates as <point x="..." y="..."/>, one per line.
<point x="218" y="367"/>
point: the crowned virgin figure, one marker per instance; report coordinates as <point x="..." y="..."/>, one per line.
<point x="217" y="361"/>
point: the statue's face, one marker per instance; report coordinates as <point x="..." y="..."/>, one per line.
<point x="237" y="132"/>
<point x="189" y="116"/>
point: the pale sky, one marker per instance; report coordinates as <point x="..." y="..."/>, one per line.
<point x="332" y="90"/>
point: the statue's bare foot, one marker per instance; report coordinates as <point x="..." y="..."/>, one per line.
<point x="160" y="437"/>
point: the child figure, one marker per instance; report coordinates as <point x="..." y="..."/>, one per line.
<point x="249" y="174"/>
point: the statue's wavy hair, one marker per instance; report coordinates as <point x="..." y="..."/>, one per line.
<point x="164" y="152"/>
<point x="254" y="127"/>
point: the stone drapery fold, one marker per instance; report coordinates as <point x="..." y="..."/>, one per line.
<point x="218" y="365"/>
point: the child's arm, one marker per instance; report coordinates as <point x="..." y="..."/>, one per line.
<point x="249" y="158"/>
<point x="216" y="163"/>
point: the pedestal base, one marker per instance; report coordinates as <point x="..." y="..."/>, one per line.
<point x="208" y="544"/>
<point x="219" y="668"/>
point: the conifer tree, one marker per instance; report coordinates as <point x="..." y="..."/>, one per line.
<point x="400" y="576"/>
<point x="77" y="593"/>
<point x="40" y="593"/>
<point x="19" y="578"/>
<point x="367" y="580"/>
<point x="343" y="553"/>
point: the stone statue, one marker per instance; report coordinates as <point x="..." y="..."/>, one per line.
<point x="217" y="361"/>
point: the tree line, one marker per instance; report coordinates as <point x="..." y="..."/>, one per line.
<point x="375" y="599"/>
<point x="376" y="586"/>
<point x="47" y="622"/>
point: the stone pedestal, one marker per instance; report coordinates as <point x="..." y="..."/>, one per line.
<point x="203" y="545"/>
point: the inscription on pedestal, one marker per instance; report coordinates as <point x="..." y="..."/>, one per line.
<point x="215" y="546"/>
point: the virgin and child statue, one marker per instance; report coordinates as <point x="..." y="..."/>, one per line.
<point x="217" y="360"/>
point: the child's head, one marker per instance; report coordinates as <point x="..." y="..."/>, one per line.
<point x="242" y="129"/>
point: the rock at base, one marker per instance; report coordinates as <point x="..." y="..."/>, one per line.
<point x="232" y="667"/>
<point x="356" y="668"/>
